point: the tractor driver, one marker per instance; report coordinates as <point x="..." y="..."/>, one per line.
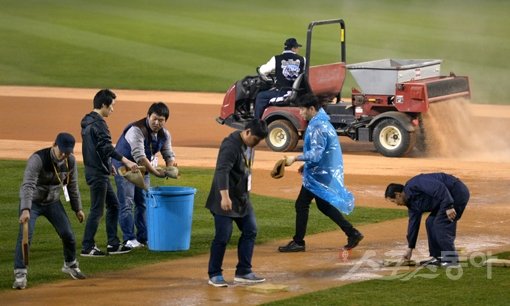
<point x="287" y="66"/>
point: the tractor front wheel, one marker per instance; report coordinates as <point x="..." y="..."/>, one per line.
<point x="282" y="136"/>
<point x="391" y="139"/>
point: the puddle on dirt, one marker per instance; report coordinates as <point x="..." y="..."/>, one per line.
<point x="481" y="243"/>
<point x="361" y="276"/>
<point x="472" y="249"/>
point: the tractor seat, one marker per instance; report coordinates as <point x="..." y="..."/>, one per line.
<point x="296" y="89"/>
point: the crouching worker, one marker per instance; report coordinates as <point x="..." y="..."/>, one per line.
<point x="229" y="201"/>
<point x="49" y="171"/>
<point x="445" y="197"/>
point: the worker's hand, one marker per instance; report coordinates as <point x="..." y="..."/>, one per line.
<point x="133" y="167"/>
<point x="301" y="168"/>
<point x="451" y="214"/>
<point x="226" y="204"/>
<point x="171" y="163"/>
<point x="130" y="164"/>
<point x="25" y="216"/>
<point x="408" y="254"/>
<point x="80" y="215"/>
<point x="160" y="172"/>
<point x="289" y="160"/>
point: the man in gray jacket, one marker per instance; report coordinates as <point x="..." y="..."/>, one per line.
<point x="49" y="171"/>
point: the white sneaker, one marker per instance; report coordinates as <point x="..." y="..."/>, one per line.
<point x="133" y="244"/>
<point x="74" y="271"/>
<point x="20" y="280"/>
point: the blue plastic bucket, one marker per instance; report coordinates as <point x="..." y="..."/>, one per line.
<point x="169" y="217"/>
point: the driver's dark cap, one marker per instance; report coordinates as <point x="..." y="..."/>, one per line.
<point x="291" y="43"/>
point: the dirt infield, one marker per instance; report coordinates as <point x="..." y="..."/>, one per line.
<point x="31" y="117"/>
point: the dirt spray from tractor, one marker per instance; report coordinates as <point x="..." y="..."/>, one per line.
<point x="453" y="131"/>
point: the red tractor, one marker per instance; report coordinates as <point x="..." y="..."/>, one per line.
<point x="386" y="110"/>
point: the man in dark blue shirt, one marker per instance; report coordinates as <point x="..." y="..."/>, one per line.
<point x="445" y="197"/>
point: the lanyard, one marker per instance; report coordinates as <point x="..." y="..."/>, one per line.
<point x="153" y="137"/>
<point x="248" y="156"/>
<point x="57" y="173"/>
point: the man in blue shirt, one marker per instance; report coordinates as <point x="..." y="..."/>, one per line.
<point x="140" y="142"/>
<point x="445" y="197"/>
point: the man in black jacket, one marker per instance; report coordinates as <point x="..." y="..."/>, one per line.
<point x="97" y="153"/>
<point x="286" y="66"/>
<point x="229" y="200"/>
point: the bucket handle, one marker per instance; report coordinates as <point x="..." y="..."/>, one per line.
<point x="154" y="203"/>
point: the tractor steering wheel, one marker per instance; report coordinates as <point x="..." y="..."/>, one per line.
<point x="268" y="79"/>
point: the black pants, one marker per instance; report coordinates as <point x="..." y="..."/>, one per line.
<point x="101" y="194"/>
<point x="441" y="231"/>
<point x="303" y="207"/>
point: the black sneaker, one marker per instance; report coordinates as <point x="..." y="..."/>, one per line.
<point x="292" y="246"/>
<point x="119" y="249"/>
<point x="353" y="240"/>
<point x="434" y="261"/>
<point x="450" y="264"/>
<point x="94" y="252"/>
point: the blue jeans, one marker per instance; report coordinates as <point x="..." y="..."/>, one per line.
<point x="56" y="215"/>
<point x="101" y="193"/>
<point x="131" y="196"/>
<point x="223" y="226"/>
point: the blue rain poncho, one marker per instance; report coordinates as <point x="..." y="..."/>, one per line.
<point x="323" y="172"/>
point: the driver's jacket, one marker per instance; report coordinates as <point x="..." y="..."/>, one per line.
<point x="286" y="66"/>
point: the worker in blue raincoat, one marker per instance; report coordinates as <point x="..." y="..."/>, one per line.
<point x="323" y="176"/>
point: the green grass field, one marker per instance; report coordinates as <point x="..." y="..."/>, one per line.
<point x="196" y="45"/>
<point x="275" y="219"/>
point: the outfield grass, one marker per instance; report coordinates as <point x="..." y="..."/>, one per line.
<point x="471" y="285"/>
<point x="275" y="218"/>
<point x="197" y="45"/>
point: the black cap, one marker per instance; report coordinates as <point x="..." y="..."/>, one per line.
<point x="65" y="142"/>
<point x="291" y="43"/>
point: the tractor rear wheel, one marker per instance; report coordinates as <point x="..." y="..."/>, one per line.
<point x="282" y="136"/>
<point x="391" y="139"/>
